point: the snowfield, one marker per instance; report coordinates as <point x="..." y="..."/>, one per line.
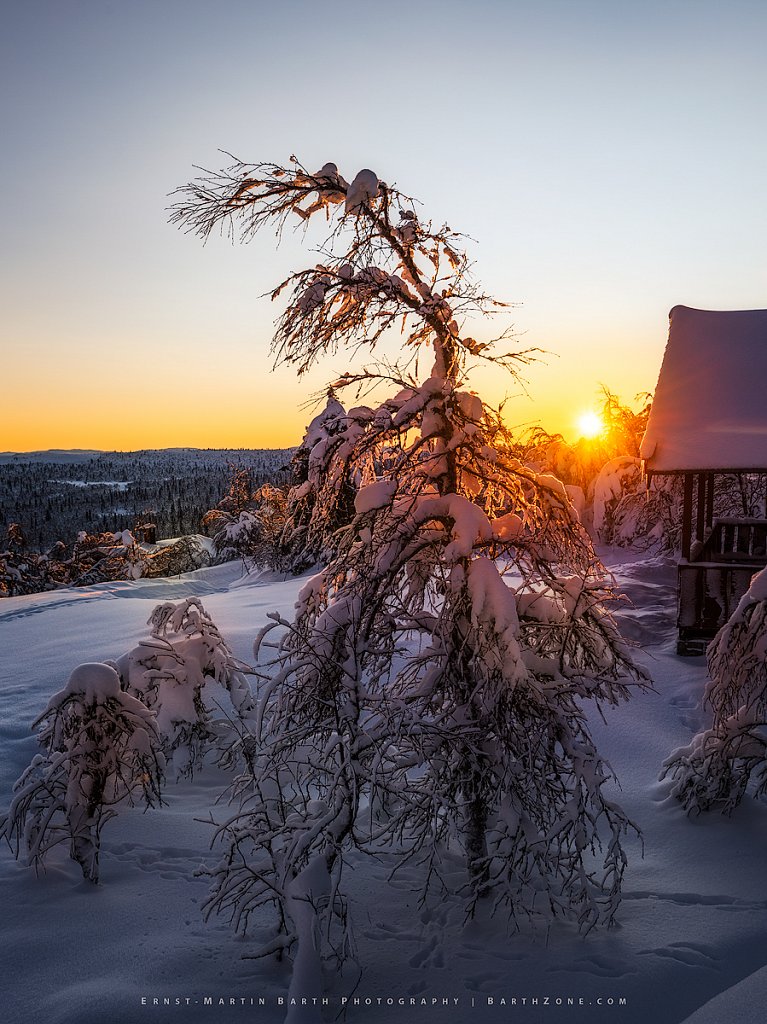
<point x="691" y="944"/>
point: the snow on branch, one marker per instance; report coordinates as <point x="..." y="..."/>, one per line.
<point x="382" y="267"/>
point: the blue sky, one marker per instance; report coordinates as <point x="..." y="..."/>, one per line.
<point x="608" y="159"/>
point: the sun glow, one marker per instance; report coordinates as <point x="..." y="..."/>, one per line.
<point x="590" y="425"/>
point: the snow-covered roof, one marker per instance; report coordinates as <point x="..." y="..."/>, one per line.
<point x="710" y="405"/>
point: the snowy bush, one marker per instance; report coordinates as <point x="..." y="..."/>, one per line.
<point x="715" y="769"/>
<point x="170" y="673"/>
<point x="235" y="534"/>
<point x="650" y="518"/>
<point x="107" y="734"/>
<point x="100" y="749"/>
<point x="430" y="689"/>
<point x="106" y="556"/>
<point x="24" y="571"/>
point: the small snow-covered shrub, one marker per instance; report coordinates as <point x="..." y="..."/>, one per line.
<point x="235" y="534"/>
<point x="101" y="748"/>
<point x="93" y="558"/>
<point x="715" y="769"/>
<point x="169" y="672"/>
<point x="649" y="518"/>
<point x="106" y="735"/>
<point x="99" y="557"/>
<point x="23" y="571"/>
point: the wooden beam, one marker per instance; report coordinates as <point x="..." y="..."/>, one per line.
<point x="687" y="516"/>
<point x="700" y="517"/>
<point x="709" y="502"/>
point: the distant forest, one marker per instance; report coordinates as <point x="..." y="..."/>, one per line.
<point x="173" y="488"/>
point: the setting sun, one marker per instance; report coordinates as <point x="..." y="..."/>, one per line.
<point x="590" y="424"/>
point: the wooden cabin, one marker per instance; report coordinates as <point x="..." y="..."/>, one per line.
<point x="708" y="422"/>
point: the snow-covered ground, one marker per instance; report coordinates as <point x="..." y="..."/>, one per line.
<point x="691" y="943"/>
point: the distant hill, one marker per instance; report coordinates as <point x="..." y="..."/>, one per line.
<point x="70" y="456"/>
<point x="55" y="494"/>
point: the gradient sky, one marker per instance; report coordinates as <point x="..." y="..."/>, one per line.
<point x="608" y="158"/>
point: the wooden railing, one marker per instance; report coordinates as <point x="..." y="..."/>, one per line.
<point x="735" y="540"/>
<point x="716" y="576"/>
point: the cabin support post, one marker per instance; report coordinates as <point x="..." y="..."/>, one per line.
<point x="709" y="502"/>
<point x="700" y="517"/>
<point x="687" y="516"/>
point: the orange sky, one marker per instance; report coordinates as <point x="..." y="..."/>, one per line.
<point x="161" y="401"/>
<point x="609" y="166"/>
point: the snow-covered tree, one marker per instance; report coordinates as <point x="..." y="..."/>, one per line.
<point x="627" y="512"/>
<point x="624" y="426"/>
<point x="617" y="479"/>
<point x="252" y="531"/>
<point x="715" y="769"/>
<point x="171" y="674"/>
<point x="604" y="480"/>
<point x="101" y="748"/>
<point x="320" y="502"/>
<point x="431" y="686"/>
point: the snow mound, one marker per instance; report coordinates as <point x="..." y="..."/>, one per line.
<point x="742" y="1002"/>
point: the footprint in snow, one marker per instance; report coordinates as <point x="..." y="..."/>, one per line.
<point x="423" y="955"/>
<point x="416" y="988"/>
<point x="694" y="899"/>
<point x="686" y="953"/>
<point x="486" y="981"/>
<point x="385" y="931"/>
<point x="476" y="951"/>
<point x="602" y="967"/>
